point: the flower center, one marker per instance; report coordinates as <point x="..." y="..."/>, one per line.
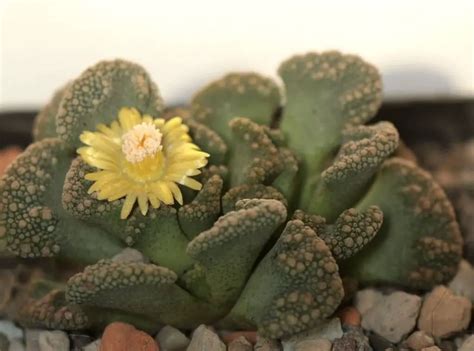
<point x="140" y="142"/>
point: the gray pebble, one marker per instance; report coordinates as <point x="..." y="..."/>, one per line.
<point x="55" y="340"/>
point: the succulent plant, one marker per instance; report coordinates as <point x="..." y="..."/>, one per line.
<point x="294" y="197"/>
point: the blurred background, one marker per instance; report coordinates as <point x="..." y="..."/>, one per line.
<point x="424" y="50"/>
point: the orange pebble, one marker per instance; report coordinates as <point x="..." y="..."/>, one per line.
<point x="350" y="316"/>
<point x="120" y="336"/>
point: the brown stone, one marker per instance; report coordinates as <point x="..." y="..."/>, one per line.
<point x="463" y="283"/>
<point x="313" y="345"/>
<point x="367" y="299"/>
<point x="350" y="316"/>
<point x="120" y="336"/>
<point x="240" y="344"/>
<point x="394" y="316"/>
<point x="467" y="344"/>
<point x="419" y="340"/>
<point x="444" y="313"/>
<point x="251" y="336"/>
<point x="204" y="338"/>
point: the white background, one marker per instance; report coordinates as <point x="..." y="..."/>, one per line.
<point x="423" y="48"/>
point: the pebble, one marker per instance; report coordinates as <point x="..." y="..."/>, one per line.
<point x="393" y="316"/>
<point x="240" y="344"/>
<point x="468" y="344"/>
<point x="264" y="344"/>
<point x="366" y="299"/>
<point x="10" y="330"/>
<point x="55" y="340"/>
<point x="314" y="345"/>
<point x="345" y="343"/>
<point x="419" y="340"/>
<point x="32" y="339"/>
<point x="380" y="343"/>
<point x="79" y="341"/>
<point x="129" y="255"/>
<point x="204" y="339"/>
<point x="353" y="339"/>
<point x="172" y="339"/>
<point x="331" y="330"/>
<point x="16" y="345"/>
<point x="444" y="313"/>
<point x="93" y="346"/>
<point x="249" y="335"/>
<point x="350" y="316"/>
<point x="120" y="336"/>
<point x="431" y="348"/>
<point x="463" y="283"/>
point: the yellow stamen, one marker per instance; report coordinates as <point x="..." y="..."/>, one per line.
<point x="141" y="141"/>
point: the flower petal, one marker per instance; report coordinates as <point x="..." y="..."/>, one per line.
<point x="143" y="203"/>
<point x="128" y="205"/>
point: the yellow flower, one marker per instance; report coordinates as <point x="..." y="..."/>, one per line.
<point x="142" y="160"/>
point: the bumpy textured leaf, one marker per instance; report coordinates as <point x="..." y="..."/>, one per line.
<point x="141" y="289"/>
<point x="203" y="211"/>
<point x="45" y="122"/>
<point x="236" y="95"/>
<point x="249" y="191"/>
<point x="325" y="93"/>
<point x="228" y="251"/>
<point x="32" y="217"/>
<point x="254" y="159"/>
<point x="342" y="184"/>
<point x="295" y="286"/>
<point x="419" y="243"/>
<point x="158" y="234"/>
<point x="208" y="140"/>
<point x="99" y="93"/>
<point x="351" y="232"/>
<point x="53" y="311"/>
